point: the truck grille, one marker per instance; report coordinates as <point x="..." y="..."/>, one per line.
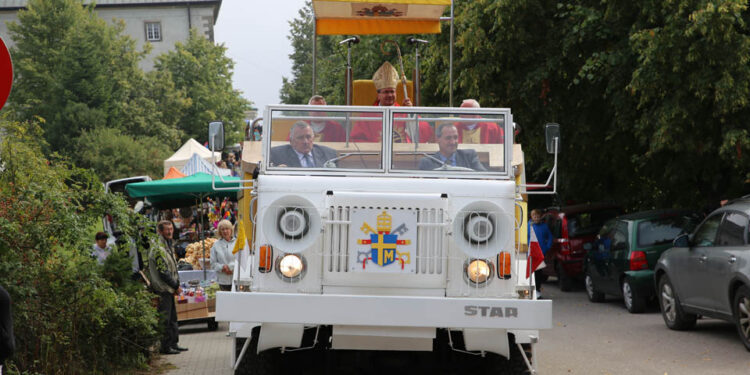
<point x="430" y="247"/>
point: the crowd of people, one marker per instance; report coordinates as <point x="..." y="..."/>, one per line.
<point x="161" y="265"/>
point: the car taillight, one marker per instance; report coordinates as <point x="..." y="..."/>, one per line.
<point x="638" y="261"/>
<point x="564" y="246"/>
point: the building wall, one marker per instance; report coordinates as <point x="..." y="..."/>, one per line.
<point x="175" y="20"/>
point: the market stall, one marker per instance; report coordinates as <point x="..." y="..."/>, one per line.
<point x="198" y="299"/>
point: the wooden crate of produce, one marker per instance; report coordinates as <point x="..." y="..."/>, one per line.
<point x="196" y="310"/>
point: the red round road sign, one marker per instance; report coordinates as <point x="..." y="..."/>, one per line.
<point x="6" y="73"/>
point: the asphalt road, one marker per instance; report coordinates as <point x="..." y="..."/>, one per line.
<point x="587" y="339"/>
<point x="603" y="338"/>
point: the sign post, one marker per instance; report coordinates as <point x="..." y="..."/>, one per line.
<point x="6" y="73"/>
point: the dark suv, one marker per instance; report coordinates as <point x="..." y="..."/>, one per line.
<point x="574" y="229"/>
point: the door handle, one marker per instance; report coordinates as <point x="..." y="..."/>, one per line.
<point x="703" y="258"/>
<point x="732" y="259"/>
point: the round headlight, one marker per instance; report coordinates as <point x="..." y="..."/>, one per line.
<point x="290" y="266"/>
<point x="478" y="228"/>
<point x="293" y="223"/>
<point x="478" y="271"/>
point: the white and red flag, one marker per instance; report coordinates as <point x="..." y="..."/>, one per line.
<point x="536" y="256"/>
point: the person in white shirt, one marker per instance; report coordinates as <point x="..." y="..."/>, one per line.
<point x="100" y="250"/>
<point x="222" y="259"/>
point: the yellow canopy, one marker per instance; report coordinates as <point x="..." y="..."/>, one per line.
<point x="366" y="17"/>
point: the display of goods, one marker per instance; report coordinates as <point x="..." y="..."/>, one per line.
<point x="211" y="290"/>
<point x="194" y="252"/>
<point x="197" y="291"/>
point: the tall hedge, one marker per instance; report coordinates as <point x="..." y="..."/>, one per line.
<point x="71" y="316"/>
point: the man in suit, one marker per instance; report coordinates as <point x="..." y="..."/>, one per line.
<point x="449" y="154"/>
<point x="301" y="152"/>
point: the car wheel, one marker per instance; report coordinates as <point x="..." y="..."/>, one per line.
<point x="591" y="292"/>
<point x="671" y="310"/>
<point x="634" y="302"/>
<point x="566" y="282"/>
<point x="742" y="314"/>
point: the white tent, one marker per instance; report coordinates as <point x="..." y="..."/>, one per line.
<point x="197" y="164"/>
<point x="181" y="157"/>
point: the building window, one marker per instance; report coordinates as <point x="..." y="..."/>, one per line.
<point x="153" y="31"/>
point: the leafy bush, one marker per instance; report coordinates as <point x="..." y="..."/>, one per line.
<point x="71" y="316"/>
<point x="114" y="154"/>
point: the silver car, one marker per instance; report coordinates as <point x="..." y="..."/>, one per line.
<point x="708" y="272"/>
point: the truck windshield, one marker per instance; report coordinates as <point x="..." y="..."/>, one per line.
<point x="326" y="138"/>
<point x="448" y="143"/>
<point x="440" y="142"/>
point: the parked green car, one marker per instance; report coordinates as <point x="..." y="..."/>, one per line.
<point x="626" y="251"/>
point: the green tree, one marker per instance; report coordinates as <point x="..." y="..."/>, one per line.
<point x="692" y="86"/>
<point x="652" y="96"/>
<point x="71" y="316"/>
<point x="298" y="89"/>
<point x="202" y="70"/>
<point x="77" y="73"/>
<point x="115" y="154"/>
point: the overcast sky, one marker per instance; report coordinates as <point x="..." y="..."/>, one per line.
<point x="255" y="34"/>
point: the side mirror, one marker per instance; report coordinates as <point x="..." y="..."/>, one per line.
<point x="552" y="131"/>
<point x="682" y="240"/>
<point x="216" y="135"/>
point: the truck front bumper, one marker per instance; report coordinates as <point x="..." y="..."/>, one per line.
<point x="386" y="311"/>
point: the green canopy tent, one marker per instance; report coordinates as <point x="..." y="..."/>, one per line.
<point x="180" y="192"/>
<point x="185" y="191"/>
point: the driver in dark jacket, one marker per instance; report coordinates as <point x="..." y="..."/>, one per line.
<point x="449" y="154"/>
<point x="301" y="152"/>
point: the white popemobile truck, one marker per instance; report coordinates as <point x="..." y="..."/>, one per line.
<point x="381" y="253"/>
<point x="366" y="251"/>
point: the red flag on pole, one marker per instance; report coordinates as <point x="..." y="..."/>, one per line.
<point x="536" y="256"/>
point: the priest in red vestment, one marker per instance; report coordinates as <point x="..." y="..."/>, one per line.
<point x="386" y="80"/>
<point x="325" y="130"/>
<point x="479" y="133"/>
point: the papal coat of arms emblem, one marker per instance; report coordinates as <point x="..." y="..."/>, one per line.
<point x="388" y="247"/>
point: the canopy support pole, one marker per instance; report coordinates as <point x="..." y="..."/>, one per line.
<point x="349" y="74"/>
<point x="203" y="237"/>
<point x="314" y="53"/>
<point x="450" y="64"/>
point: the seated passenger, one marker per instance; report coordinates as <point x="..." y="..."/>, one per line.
<point x="449" y="154"/>
<point x="325" y="130"/>
<point x="301" y="152"/>
<point x="386" y="81"/>
<point x="478" y="133"/>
